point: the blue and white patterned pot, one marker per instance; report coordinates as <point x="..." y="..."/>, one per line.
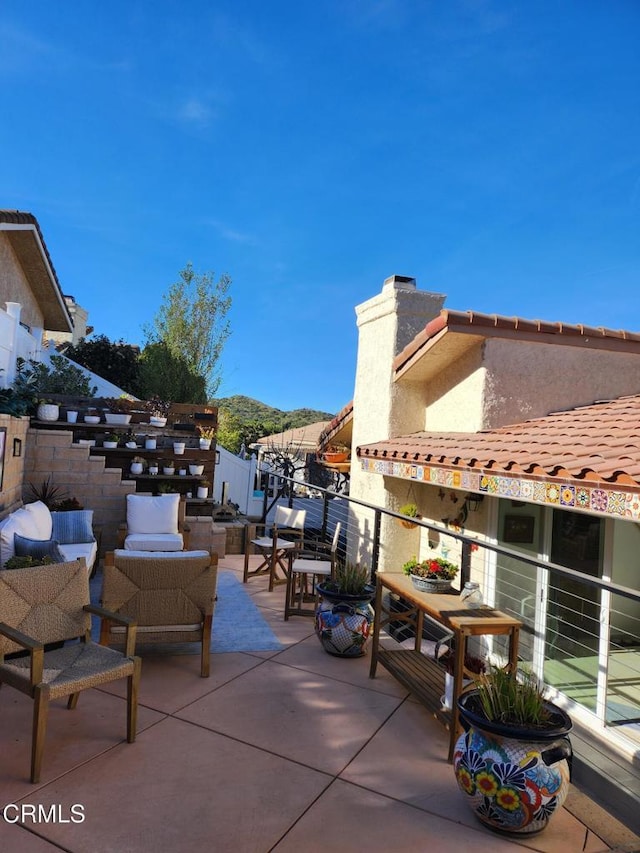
<point x="515" y="780"/>
<point x="344" y="622"/>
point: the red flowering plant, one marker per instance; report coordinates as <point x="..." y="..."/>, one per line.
<point x="433" y="568"/>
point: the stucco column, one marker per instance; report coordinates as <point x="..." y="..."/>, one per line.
<point x="382" y="409"/>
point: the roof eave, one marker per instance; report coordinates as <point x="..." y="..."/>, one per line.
<point x="28" y="245"/>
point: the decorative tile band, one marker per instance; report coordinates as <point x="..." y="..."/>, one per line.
<point x="582" y="498"/>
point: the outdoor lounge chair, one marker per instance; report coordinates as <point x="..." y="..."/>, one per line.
<point x="309" y="561"/>
<point x="274" y="543"/>
<point x="48" y="605"/>
<point x="171" y="597"/>
<point x="155" y="523"/>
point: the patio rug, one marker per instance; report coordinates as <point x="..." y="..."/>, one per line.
<point x="238" y="625"/>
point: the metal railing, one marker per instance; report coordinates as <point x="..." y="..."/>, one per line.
<point x="580" y="633"/>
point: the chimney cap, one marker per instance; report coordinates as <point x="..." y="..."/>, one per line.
<point x="400" y="282"/>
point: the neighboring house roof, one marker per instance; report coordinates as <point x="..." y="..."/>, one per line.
<point x="585" y="451"/>
<point x="460" y="330"/>
<point x="305" y="437"/>
<point x="24" y="235"/>
<point x="339" y="430"/>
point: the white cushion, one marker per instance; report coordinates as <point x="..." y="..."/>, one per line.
<point x="41" y="518"/>
<point x="88" y="550"/>
<point x="157" y="514"/>
<point x="120" y="552"/>
<point x="153" y="542"/>
<point x="21" y="522"/>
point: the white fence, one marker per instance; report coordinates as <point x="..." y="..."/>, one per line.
<point x="238" y="476"/>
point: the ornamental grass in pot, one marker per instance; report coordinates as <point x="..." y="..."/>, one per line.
<point x="512" y="762"/>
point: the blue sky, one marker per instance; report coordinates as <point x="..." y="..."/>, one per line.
<point x="490" y="149"/>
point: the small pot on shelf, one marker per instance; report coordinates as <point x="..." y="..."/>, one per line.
<point x="203" y="492"/>
<point x="48" y="412"/>
<point x="178" y="447"/>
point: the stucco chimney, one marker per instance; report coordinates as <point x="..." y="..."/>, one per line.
<point x="382" y="409"/>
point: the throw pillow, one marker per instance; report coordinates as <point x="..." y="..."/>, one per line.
<point x="37" y="548"/>
<point x="41" y="515"/>
<point x="20" y="522"/>
<point x="73" y="527"/>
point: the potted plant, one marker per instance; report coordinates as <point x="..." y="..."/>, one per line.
<point x="92" y="416"/>
<point x="207" y="435"/>
<point x="432" y="575"/>
<point x="111" y="440"/>
<point x="48" y="411"/>
<point x="118" y="410"/>
<point x="336" y="453"/>
<point x="153" y="467"/>
<point x="511" y="761"/>
<point x="203" y="490"/>
<point x="158" y="411"/>
<point x="137" y="465"/>
<point x="168" y="468"/>
<point x="344" y="615"/>
<point x="410" y="510"/>
<point x="196" y="469"/>
<point x="150" y="442"/>
<point x="178" y="447"/>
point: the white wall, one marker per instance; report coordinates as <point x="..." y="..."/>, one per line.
<point x="15" y="342"/>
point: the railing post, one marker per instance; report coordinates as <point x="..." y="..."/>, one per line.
<point x="375" y="555"/>
<point x="465" y="563"/>
<point x="325" y="515"/>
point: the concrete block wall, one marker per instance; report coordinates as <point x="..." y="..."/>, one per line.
<point x="51" y="453"/>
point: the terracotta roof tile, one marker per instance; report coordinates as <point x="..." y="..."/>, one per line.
<point x="472" y="321"/>
<point x="600" y="442"/>
<point x="335" y="425"/>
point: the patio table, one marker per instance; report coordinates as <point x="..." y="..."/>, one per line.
<point x="420" y="674"/>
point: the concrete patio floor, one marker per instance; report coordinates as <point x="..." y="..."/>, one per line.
<point x="288" y="751"/>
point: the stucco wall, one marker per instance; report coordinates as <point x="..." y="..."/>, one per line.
<point x="528" y="380"/>
<point x="455" y="398"/>
<point x="14" y="287"/>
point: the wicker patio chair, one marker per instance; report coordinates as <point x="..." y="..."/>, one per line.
<point x="171" y="597"/>
<point x="48" y="605"/>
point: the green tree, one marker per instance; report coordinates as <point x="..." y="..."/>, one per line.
<point x="113" y="360"/>
<point x="192" y="322"/>
<point x="169" y="377"/>
<point x="230" y="431"/>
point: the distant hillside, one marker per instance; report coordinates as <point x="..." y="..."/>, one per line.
<point x="248" y="409"/>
